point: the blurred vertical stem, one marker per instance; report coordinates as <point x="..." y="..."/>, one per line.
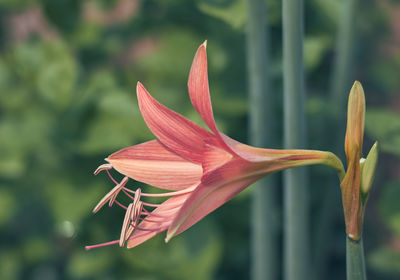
<point x="355" y="263"/>
<point x="296" y="219"/>
<point x="342" y="80"/>
<point x="265" y="239"/>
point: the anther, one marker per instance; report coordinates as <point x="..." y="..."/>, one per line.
<point x="120" y="187"/>
<point x="111" y="195"/>
<point x="102" y="167"/>
<point x="134" y="219"/>
<point x="125" y="225"/>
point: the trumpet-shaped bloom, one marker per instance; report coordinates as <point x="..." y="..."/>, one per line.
<point x="202" y="169"/>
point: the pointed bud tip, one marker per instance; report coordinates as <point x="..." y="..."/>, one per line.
<point x="205" y="44"/>
<point x="355" y="121"/>
<point x="357" y="94"/>
<point x="357" y="88"/>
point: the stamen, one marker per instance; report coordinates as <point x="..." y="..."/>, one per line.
<point x="111" y="177"/>
<point x="160" y="219"/>
<point x="102" y="167"/>
<point x="125" y="224"/>
<point x="184" y="191"/>
<point x="165" y="206"/>
<point x="152" y="214"/>
<point x="137" y="207"/>
<point x="137" y="196"/>
<point x="120" y="205"/>
<point x="127" y="194"/>
<point x="111" y="195"/>
<point x="147" y="229"/>
<point x="120" y="187"/>
<point x="101" y="245"/>
<point x="151" y="204"/>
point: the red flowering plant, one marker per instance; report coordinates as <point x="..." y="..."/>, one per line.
<point x="201" y="169"/>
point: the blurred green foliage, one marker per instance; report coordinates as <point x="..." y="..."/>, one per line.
<point x="68" y="71"/>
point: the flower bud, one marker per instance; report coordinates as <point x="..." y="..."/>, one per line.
<point x="355" y="123"/>
<point x="368" y="168"/>
<point x="350" y="185"/>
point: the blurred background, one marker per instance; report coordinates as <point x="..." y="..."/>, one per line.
<point x="68" y="71"/>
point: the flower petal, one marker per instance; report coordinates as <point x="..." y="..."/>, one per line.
<point x="175" y="131"/>
<point x="214" y="157"/>
<point x="153" y="164"/>
<point x="140" y="236"/>
<point x="198" y="87"/>
<point x="283" y="158"/>
<point x="216" y="189"/>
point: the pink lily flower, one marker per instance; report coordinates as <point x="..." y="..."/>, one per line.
<point x="201" y="169"/>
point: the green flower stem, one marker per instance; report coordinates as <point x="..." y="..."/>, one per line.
<point x="265" y="262"/>
<point x="355" y="263"/>
<point x="296" y="205"/>
<point x="341" y="82"/>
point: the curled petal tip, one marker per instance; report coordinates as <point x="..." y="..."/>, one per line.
<point x="102" y="167"/>
<point x="139" y="86"/>
<point x="172" y="231"/>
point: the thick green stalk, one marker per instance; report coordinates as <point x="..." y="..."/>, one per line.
<point x="296" y="206"/>
<point x="355" y="263"/>
<point x="341" y="82"/>
<point x="265" y="230"/>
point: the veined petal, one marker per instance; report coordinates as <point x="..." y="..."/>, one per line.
<point x="217" y="188"/>
<point x="199" y="89"/>
<point x="254" y="154"/>
<point x="250" y="153"/>
<point x="140" y="236"/>
<point x="175" y="131"/>
<point x="214" y="157"/>
<point x="153" y="164"/>
<point x="222" y="184"/>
